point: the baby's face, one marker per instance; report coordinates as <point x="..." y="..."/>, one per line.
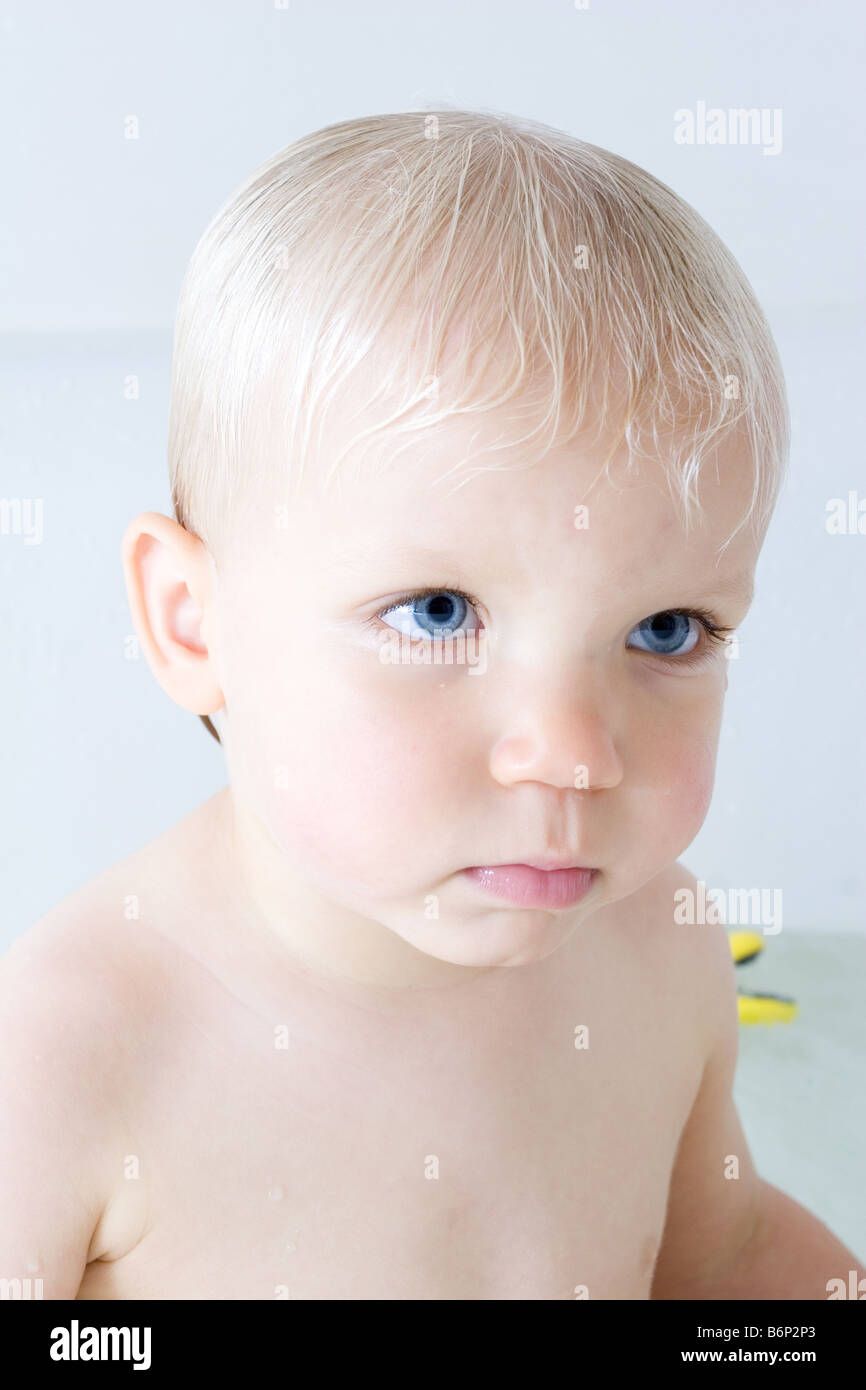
<point x="577" y="729"/>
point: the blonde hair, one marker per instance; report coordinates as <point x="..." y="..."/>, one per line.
<point x="574" y="263"/>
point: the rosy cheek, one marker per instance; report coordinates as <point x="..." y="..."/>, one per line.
<point x="689" y="786"/>
<point x="364" y="782"/>
<point x="697" y="792"/>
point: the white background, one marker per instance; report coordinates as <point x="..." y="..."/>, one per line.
<point x="96" y="233"/>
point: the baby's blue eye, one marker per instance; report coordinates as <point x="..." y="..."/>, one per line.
<point x="439" y="614"/>
<point x="666" y="634"/>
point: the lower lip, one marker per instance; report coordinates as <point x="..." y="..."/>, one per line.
<point x="528" y="887"/>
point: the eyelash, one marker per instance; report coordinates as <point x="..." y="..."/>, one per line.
<point x="715" y="633"/>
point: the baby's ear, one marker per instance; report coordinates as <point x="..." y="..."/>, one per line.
<point x="171" y="583"/>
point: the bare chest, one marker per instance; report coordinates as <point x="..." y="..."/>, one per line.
<point x="502" y="1163"/>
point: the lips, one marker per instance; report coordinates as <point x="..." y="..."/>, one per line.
<point x="528" y="885"/>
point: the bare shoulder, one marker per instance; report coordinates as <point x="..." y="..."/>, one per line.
<point x="67" y="1030"/>
<point x="108" y="960"/>
<point x="90" y="946"/>
<point x="688" y="959"/>
<point x="98" y="962"/>
<point x="703" y="948"/>
<point x="84" y="993"/>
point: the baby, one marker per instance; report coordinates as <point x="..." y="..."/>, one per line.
<point x="475" y="434"/>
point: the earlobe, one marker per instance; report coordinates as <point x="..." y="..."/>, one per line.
<point x="170" y="582"/>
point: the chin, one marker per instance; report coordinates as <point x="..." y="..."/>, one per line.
<point x="518" y="937"/>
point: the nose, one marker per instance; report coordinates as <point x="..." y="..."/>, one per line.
<point x="562" y="737"/>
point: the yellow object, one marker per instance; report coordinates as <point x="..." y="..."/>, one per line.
<point x="745" y="945"/>
<point x="760" y="1007"/>
<point x="766" y="1008"/>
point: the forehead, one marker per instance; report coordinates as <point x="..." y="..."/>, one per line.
<point x="416" y="503"/>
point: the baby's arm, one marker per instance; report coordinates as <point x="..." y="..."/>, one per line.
<point x="735" y="1237"/>
<point x="53" y="1183"/>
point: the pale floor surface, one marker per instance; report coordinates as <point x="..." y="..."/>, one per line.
<point x="801" y="1086"/>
